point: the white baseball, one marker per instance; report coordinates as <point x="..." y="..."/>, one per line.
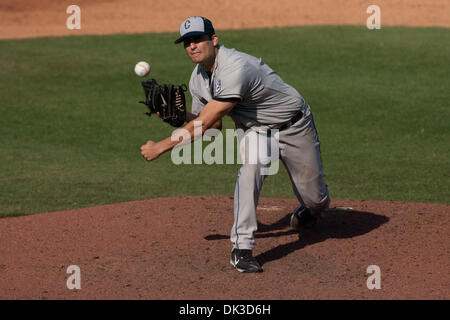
<point x="142" y="69"/>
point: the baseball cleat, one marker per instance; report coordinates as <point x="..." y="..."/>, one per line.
<point x="302" y="218"/>
<point x="244" y="261"/>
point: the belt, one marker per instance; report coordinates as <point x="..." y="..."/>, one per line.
<point x="294" y="119"/>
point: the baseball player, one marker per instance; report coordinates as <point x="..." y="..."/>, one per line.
<point x="228" y="82"/>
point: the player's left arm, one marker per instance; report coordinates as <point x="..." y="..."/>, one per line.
<point x="213" y="112"/>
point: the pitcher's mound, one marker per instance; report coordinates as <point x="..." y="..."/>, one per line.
<point x="178" y="248"/>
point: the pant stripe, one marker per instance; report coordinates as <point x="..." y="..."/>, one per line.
<point x="237" y="214"/>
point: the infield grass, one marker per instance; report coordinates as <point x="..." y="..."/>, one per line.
<point x="71" y="126"/>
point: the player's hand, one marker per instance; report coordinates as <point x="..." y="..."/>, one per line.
<point x="150" y="150"/>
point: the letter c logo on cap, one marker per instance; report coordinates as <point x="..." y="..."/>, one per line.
<point x="187" y="24"/>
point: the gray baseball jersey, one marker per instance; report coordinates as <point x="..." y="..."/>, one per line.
<point x="264" y="98"/>
<point x="265" y="101"/>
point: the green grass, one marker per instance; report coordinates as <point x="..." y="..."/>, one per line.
<point x="71" y="126"/>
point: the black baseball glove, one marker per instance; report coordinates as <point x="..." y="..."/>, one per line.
<point x="166" y="99"/>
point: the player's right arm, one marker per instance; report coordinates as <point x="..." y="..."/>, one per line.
<point x="197" y="107"/>
<point x="213" y="112"/>
<point x="190" y="116"/>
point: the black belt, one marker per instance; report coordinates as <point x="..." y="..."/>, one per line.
<point x="294" y="119"/>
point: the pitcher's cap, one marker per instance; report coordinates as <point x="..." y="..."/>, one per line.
<point x="195" y="26"/>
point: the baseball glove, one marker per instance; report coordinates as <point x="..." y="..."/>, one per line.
<point x="166" y="99"/>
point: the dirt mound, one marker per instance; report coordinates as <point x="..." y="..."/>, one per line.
<point x="178" y="248"/>
<point x="24" y="18"/>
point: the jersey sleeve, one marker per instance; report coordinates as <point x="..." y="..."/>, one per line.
<point x="197" y="105"/>
<point x="233" y="84"/>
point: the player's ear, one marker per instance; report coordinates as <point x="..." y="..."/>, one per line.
<point x="215" y="40"/>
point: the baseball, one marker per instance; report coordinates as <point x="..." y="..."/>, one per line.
<point x="142" y="69"/>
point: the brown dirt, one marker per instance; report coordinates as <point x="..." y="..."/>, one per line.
<point x="178" y="248"/>
<point x="25" y="18"/>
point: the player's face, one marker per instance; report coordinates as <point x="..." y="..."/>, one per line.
<point x="201" y="49"/>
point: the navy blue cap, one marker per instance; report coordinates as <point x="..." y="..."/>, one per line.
<point x="195" y="26"/>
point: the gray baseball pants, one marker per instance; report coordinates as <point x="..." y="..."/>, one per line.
<point x="299" y="151"/>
